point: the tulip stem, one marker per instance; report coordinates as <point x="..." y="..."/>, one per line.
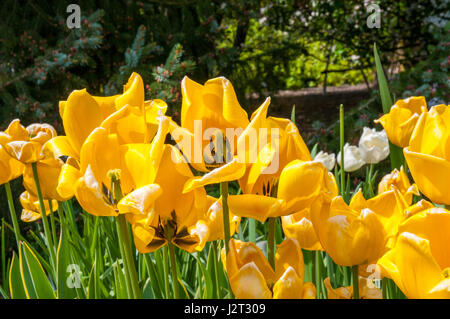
<point x="341" y="138"/>
<point x="252" y="230"/>
<point x="12" y="211"/>
<point x="52" y="221"/>
<point x="355" y="282"/>
<point x="384" y="288"/>
<point x="166" y="271"/>
<point x="44" y="215"/>
<point x="173" y="264"/>
<point x="271" y="242"/>
<point x="215" y="251"/>
<point x="128" y="256"/>
<point x="225" y="213"/>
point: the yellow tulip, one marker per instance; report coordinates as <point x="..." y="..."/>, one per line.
<point x="164" y="213"/>
<point x="367" y="290"/>
<point x="31" y="210"/>
<point x="400" y="180"/>
<point x="10" y="168"/>
<point x="83" y="112"/>
<point x="428" y="156"/>
<point x="252" y="277"/>
<point x="299" y="185"/>
<point x="419" y="263"/>
<point x="48" y="170"/>
<point x="352" y="234"/>
<point x="105" y="162"/>
<point x="399" y="123"/>
<point x="25" y="144"/>
<point x="210" y="109"/>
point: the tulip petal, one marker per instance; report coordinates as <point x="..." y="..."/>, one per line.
<point x="289" y="286"/>
<point x="432" y="224"/>
<point x="289" y="255"/>
<point x="300" y="183"/>
<point x="140" y="201"/>
<point x="418" y="281"/>
<point x="255" y="206"/>
<point x="81" y="116"/>
<point x="249" y="283"/>
<point x="431" y="174"/>
<point x="229" y="172"/>
<point x="68" y="177"/>
<point x="90" y="196"/>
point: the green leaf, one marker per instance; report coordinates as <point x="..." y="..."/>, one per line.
<point x="63" y="261"/>
<point x="36" y="281"/>
<point x="157" y="287"/>
<point x="208" y="281"/>
<point x="147" y="293"/>
<point x="16" y="287"/>
<point x="119" y="280"/>
<point x="93" y="290"/>
<point x="386" y="99"/>
<point x="314" y="150"/>
<point x="396" y="153"/>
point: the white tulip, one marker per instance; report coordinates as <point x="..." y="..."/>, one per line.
<point x="328" y="160"/>
<point x="352" y="158"/>
<point x="374" y="145"/>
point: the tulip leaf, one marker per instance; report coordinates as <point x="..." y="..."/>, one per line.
<point x="68" y="278"/>
<point x="16" y="287"/>
<point x="395" y="153"/>
<point x="119" y="279"/>
<point x="153" y="276"/>
<point x="208" y="281"/>
<point x="36" y="281"/>
<point x="147" y="292"/>
<point x="314" y="150"/>
<point x="93" y="290"/>
<point x="386" y="99"/>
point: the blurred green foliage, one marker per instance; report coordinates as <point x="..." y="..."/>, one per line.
<point x="261" y="46"/>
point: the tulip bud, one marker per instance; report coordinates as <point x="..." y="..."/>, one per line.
<point x="352" y="158"/>
<point x="328" y="160"/>
<point x="374" y="145"/>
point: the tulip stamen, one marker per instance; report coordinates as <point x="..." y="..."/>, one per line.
<point x="446" y="272"/>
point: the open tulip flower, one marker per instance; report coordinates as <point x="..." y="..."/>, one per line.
<point x="105" y="163"/>
<point x="128" y="116"/>
<point x="399" y="123"/>
<point x="367" y="290"/>
<point x="208" y="111"/>
<point x="83" y="112"/>
<point x="30" y="207"/>
<point x="166" y="214"/>
<point x="428" y="156"/>
<point x="10" y="168"/>
<point x="252" y="277"/>
<point x="400" y="180"/>
<point x="419" y="263"/>
<point x="25" y="144"/>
